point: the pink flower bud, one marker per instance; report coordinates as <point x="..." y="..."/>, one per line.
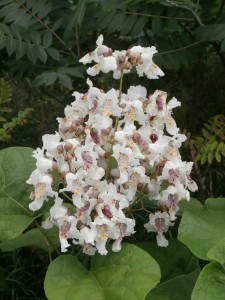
<point x="60" y="149"/>
<point x="68" y="157"/>
<point x="95" y="136"/>
<point x="153" y="137"/>
<point x="106" y="211"/>
<point x="68" y="146"/>
<point x="159" y="103"/>
<point x="136" y="137"/>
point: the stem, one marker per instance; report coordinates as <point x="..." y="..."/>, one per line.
<point x="64" y="194"/>
<point x="119" y="100"/>
<point x="77" y="40"/>
<point x="179" y="49"/>
<point x="49" y="242"/>
<point x="138" y="198"/>
<point x="197" y="18"/>
<point x="221" y="8"/>
<point x="151" y="15"/>
<point x="44" y="24"/>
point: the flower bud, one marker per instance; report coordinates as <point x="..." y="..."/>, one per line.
<point x="95" y="136"/>
<point x="159" y="103"/>
<point x="136" y="137"/>
<point x="153" y="137"/>
<point x="68" y="157"/>
<point x="60" y="149"/>
<point x="68" y="146"/>
<point x="106" y="211"/>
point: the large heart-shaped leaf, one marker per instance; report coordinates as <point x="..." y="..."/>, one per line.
<point x="217" y="253"/>
<point x="210" y="284"/>
<point x="34" y="238"/>
<point x="16" y="164"/>
<point x="202" y="230"/>
<point x="178" y="288"/>
<point x="129" y="274"/>
<point x="179" y="268"/>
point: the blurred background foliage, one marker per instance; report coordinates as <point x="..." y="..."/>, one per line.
<point x="41" y="42"/>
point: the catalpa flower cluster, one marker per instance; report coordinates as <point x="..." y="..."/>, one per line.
<point x="111" y="148"/>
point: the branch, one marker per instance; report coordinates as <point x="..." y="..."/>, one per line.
<point x="179" y="49"/>
<point x="220" y="8"/>
<point x="198" y="19"/>
<point x="218" y="52"/>
<point x="150" y="15"/>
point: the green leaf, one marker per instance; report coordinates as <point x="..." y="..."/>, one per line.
<point x="42" y="54"/>
<point x="222" y="46"/>
<point x="130" y="273"/>
<point x="65" y="80"/>
<point x="36" y="37"/>
<point x="80" y="11"/>
<point x="47" y="39"/>
<point x="171" y="266"/>
<point x="3" y="41"/>
<point x="192" y="205"/>
<point x="30" y="3"/>
<point x="33" y="238"/>
<point x="214" y="146"/>
<point x="46" y="78"/>
<point x="139" y="26"/>
<point x="20" y="49"/>
<point x="218" y="252"/>
<point x="218" y="157"/>
<point x="72" y="71"/>
<point x="203" y="159"/>
<point x="2" y="119"/>
<point x="210" y="157"/>
<point x="157" y="26"/>
<point x="118" y="20"/>
<point x="210" y="284"/>
<point x="220" y="147"/>
<point x="5" y="91"/>
<point x="11" y="46"/>
<point x="13" y="225"/>
<point x="128" y="24"/>
<point x="178" y="288"/>
<point x="202" y="230"/>
<point x="53" y="53"/>
<point x="212" y="32"/>
<point x="5" y="109"/>
<point x="32" y="53"/>
<point x="16" y="164"/>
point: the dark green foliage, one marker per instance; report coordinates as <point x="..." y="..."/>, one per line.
<point x="212" y="145"/>
<point x="41" y="42"/>
<point x="8" y="126"/>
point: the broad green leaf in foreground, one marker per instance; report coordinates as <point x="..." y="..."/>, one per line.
<point x="128" y="274"/>
<point x="178" y="288"/>
<point x="34" y="238"/>
<point x="202" y="230"/>
<point x="16" y="164"/>
<point x="179" y="268"/>
<point x="217" y="253"/>
<point x="210" y="284"/>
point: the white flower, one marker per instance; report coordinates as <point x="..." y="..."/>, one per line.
<point x="42" y="163"/>
<point x="145" y="63"/>
<point x="110" y="149"/>
<point x="159" y="223"/>
<point x="87" y="158"/>
<point x="50" y="143"/>
<point x="75" y="184"/>
<point x="42" y="189"/>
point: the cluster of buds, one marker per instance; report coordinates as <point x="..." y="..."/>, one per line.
<point x="110" y="148"/>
